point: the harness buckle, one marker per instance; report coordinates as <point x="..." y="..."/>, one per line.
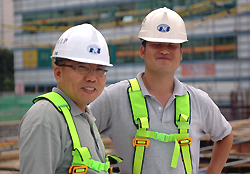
<point x="137" y="143"/>
<point x="110" y="170"/>
<point x="73" y="168"/>
<point x="185" y="141"/>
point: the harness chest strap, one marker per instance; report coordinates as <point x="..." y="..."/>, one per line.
<point x="81" y="155"/>
<point x="141" y="141"/>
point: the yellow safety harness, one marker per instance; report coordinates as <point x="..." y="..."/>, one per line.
<point x="81" y="155"/>
<point x="141" y="141"/>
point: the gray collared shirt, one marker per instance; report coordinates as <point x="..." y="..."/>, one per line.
<point x="114" y="118"/>
<point x="45" y="143"/>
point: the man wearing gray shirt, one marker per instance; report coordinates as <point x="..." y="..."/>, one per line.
<point x="166" y="139"/>
<point x="58" y="135"/>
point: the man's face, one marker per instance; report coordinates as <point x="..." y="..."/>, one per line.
<point x="161" y="57"/>
<point x="81" y="88"/>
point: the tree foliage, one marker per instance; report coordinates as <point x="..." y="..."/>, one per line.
<point x="6" y="70"/>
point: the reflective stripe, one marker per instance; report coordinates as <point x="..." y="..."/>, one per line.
<point x="182" y="119"/>
<point x="138" y="159"/>
<point x="137" y="101"/>
<point x="58" y="101"/>
<point x="81" y="155"/>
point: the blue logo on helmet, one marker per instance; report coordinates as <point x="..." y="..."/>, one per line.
<point x="163" y="28"/>
<point x="94" y="49"/>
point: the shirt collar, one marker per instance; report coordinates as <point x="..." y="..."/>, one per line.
<point x="179" y="88"/>
<point x="75" y="111"/>
<point x="142" y="86"/>
<point x="89" y="114"/>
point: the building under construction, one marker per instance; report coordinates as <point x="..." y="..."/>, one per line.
<point x="216" y="58"/>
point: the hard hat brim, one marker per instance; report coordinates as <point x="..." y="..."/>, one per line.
<point x="84" y="60"/>
<point x="163" y="40"/>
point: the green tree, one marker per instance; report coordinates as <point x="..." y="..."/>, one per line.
<point x="6" y="70"/>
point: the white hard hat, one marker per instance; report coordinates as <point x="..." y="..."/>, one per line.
<point x="83" y="43"/>
<point x="163" y="25"/>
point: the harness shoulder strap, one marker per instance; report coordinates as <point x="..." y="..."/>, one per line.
<point x="183" y="119"/>
<point x="81" y="155"/>
<point x="141" y="141"/>
<point x="60" y="103"/>
<point x="140" y="117"/>
<point x="140" y="111"/>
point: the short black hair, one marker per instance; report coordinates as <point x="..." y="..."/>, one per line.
<point x="60" y="61"/>
<point x="144" y="43"/>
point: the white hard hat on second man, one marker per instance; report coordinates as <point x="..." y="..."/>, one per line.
<point x="163" y="25"/>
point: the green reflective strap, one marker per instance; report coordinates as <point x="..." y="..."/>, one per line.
<point x="184" y="118"/>
<point x="134" y="84"/>
<point x="182" y="106"/>
<point x="183" y="125"/>
<point x="143" y="122"/>
<point x="140" y="114"/>
<point x="80" y="171"/>
<point x="182" y="121"/>
<point x="72" y="128"/>
<point x="155" y="135"/>
<point x="176" y="154"/>
<point x="81" y="155"/>
<point x="143" y="133"/>
<point x="138" y="159"/>
<point x="96" y="165"/>
<point x="55" y="98"/>
<point x="63" y="106"/>
<point x="165" y="138"/>
<point x="180" y="136"/>
<point x="118" y="159"/>
<point x="83" y="152"/>
<point x="137" y="100"/>
<point x="160" y="136"/>
<point x="185" y="150"/>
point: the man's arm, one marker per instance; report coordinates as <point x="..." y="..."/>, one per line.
<point x="220" y="154"/>
<point x="39" y="140"/>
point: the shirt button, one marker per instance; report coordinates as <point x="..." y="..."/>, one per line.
<point x="159" y="108"/>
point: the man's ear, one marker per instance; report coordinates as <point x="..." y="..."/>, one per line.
<point x="142" y="51"/>
<point x="181" y="54"/>
<point x="58" y="73"/>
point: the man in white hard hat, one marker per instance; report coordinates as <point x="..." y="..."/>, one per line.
<point x="155" y="121"/>
<point x="58" y="135"/>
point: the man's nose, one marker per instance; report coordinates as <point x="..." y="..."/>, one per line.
<point x="90" y="76"/>
<point x="164" y="50"/>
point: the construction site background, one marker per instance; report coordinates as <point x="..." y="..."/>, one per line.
<point x="216" y="59"/>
